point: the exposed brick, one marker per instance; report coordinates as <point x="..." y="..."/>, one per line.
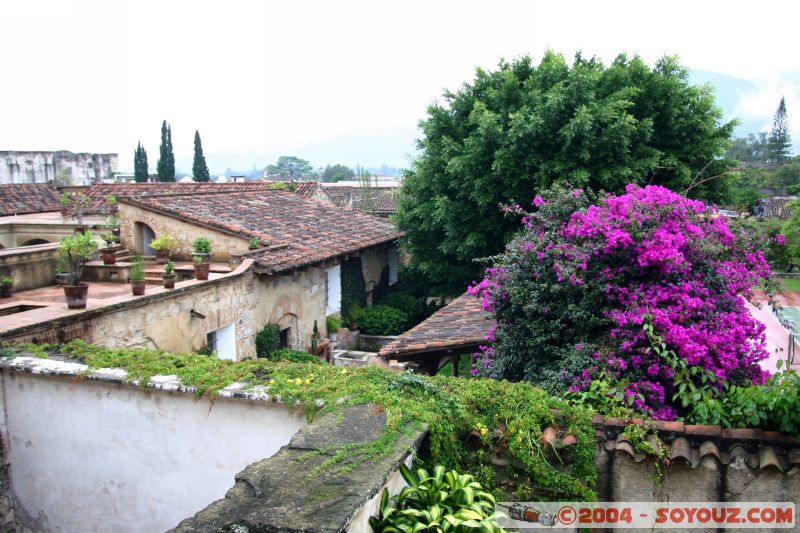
<point x="710" y="432"/>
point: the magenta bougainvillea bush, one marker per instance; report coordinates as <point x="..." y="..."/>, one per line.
<point x="573" y="297"/>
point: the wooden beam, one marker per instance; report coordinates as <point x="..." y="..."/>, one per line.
<point x="454" y="364"/>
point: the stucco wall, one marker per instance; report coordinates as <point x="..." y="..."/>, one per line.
<point x="293" y="301"/>
<point x="168" y="325"/>
<point x="96" y="456"/>
<point x="223" y="245"/>
<point x="32" y="266"/>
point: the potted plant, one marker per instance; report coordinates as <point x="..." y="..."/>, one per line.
<point x="78" y="248"/>
<point x="169" y="275"/>
<point x="63" y="201"/>
<point x="137" y="276"/>
<point x="111" y="203"/>
<point x="77" y="205"/>
<point x="108" y="254"/>
<point x="202" y="256"/>
<point x="162" y="246"/>
<point x="254" y="244"/>
<point x="6" y="282"/>
<point x="62" y="274"/>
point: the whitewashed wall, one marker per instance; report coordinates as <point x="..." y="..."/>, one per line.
<point x="92" y="456"/>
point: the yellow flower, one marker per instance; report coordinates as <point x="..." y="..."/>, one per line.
<point x="308" y="381"/>
<point x="272" y="382"/>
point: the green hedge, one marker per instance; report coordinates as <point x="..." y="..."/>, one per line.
<point x="354" y="290"/>
<point x="294" y="356"/>
<point x="382" y="320"/>
<point x="268" y="340"/>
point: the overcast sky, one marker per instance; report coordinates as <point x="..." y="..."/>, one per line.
<point x="333" y="80"/>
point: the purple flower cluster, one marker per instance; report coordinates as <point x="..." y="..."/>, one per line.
<point x="653" y="256"/>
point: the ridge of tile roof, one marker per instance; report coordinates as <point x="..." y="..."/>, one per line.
<point x="99" y="191"/>
<point x="460" y="325"/>
<point x="25" y="198"/>
<point x="312" y="231"/>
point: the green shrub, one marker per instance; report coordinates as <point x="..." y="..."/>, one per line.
<point x="381" y="289"/>
<point x="294" y="356"/>
<point x="405" y="302"/>
<point x="137" y="268"/>
<point x="774" y="406"/>
<point x="201" y="245"/>
<point x="354" y="290"/>
<point x="382" y="320"/>
<point x="437" y="502"/>
<point x="333" y="323"/>
<point x="268" y="340"/>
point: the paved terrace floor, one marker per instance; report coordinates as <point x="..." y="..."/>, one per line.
<point x="50" y="304"/>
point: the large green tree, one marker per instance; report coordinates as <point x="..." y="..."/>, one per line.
<point x="780" y="142"/>
<point x="290" y="168"/>
<point x="140" y="167"/>
<point x="337" y="173"/>
<point x="165" y="168"/>
<point x="199" y="167"/>
<point x="524" y="127"/>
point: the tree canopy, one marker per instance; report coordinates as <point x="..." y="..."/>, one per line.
<point x="199" y="166"/>
<point x="140" y="167"/>
<point x="290" y="168"/>
<point x="165" y="168"/>
<point x="337" y="172"/>
<point x="524" y="127"/>
<point x="779" y="143"/>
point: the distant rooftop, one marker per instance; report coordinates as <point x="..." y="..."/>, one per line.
<point x="377" y="200"/>
<point x="24" y="198"/>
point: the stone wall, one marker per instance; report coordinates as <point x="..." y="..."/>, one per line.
<point x="162" y="319"/>
<point x="102" y="455"/>
<point x="45" y="167"/>
<point x="276" y="495"/>
<point x="32" y="266"/>
<point x="294" y="302"/>
<point x="18" y="231"/>
<point x="223" y="244"/>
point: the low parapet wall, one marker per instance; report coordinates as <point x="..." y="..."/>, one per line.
<point x="32" y="266"/>
<point x="95" y="453"/>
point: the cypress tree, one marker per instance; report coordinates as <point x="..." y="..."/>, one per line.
<point x="171" y="154"/>
<point x="140" y="170"/>
<point x="779" y="143"/>
<point x="199" y="167"/>
<point x="166" y="160"/>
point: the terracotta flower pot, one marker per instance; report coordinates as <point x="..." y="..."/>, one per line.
<point x="76" y="295"/>
<point x="162" y="256"/>
<point x="138" y="287"/>
<point x="201" y="271"/>
<point x="169" y="281"/>
<point x="109" y="256"/>
<point x="5" y="291"/>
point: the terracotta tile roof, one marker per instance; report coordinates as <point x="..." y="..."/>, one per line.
<point x="756" y="448"/>
<point x="301" y="232"/>
<point x="306" y="189"/>
<point x="22" y="198"/>
<point x="99" y="191"/>
<point x="777" y="207"/>
<point x="380" y="200"/>
<point x="460" y="325"/>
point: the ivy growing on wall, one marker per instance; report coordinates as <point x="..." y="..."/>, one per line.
<point x="354" y="290"/>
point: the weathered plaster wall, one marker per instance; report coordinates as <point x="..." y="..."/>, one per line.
<point x="223" y="244"/>
<point x="32" y="266"/>
<point x="168" y="325"/>
<point x="44" y="167"/>
<point x="17" y="234"/>
<point x="293" y="301"/>
<point x="97" y="456"/>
